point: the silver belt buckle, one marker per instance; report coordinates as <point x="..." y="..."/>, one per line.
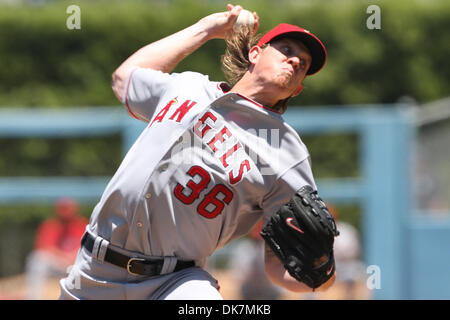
<point x="129" y="265"/>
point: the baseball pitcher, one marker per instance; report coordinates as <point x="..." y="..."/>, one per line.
<point x="213" y="160"/>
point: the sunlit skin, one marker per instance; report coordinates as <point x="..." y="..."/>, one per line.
<point x="297" y="59"/>
<point x="276" y="72"/>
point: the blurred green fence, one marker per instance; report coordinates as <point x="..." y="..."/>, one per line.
<point x="45" y="64"/>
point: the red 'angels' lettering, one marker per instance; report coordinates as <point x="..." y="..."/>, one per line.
<point x="234" y="180"/>
<point x="201" y="128"/>
<point x="160" y="116"/>
<point x="206" y="128"/>
<point x="219" y="137"/>
<point x="180" y="111"/>
<point x="210" y="199"/>
<point x="229" y="153"/>
<point x="183" y="109"/>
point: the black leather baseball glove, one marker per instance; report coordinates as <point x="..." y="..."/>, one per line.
<point x="301" y="233"/>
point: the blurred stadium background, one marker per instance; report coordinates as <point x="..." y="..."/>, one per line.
<point x="376" y="121"/>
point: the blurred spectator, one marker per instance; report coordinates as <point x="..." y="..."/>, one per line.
<point x="56" y="244"/>
<point x="247" y="264"/>
<point x="349" y="268"/>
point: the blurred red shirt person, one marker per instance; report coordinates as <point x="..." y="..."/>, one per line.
<point x="56" y="244"/>
<point x="61" y="235"/>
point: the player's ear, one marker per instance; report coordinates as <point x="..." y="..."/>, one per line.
<point x="296" y="93"/>
<point x="254" y="54"/>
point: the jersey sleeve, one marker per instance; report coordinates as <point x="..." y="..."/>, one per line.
<point x="286" y="186"/>
<point x="143" y="90"/>
<point x="300" y="175"/>
<point x="146" y="89"/>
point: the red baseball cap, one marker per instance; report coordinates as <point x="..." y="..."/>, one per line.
<point x="315" y="46"/>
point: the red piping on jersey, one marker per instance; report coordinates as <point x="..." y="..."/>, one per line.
<point x="126" y="96"/>
<point x="257" y="104"/>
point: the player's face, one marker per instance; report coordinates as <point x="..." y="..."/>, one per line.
<point x="283" y="64"/>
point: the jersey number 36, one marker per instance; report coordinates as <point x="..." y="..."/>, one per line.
<point x="209" y="199"/>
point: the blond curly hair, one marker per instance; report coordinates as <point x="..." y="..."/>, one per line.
<point x="235" y="61"/>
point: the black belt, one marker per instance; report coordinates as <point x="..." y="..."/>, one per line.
<point x="134" y="265"/>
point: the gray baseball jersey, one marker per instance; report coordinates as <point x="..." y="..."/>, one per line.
<point x="207" y="167"/>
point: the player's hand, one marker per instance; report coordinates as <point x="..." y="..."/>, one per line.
<point x="220" y="25"/>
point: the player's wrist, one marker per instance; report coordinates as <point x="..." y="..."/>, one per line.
<point x="202" y="32"/>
